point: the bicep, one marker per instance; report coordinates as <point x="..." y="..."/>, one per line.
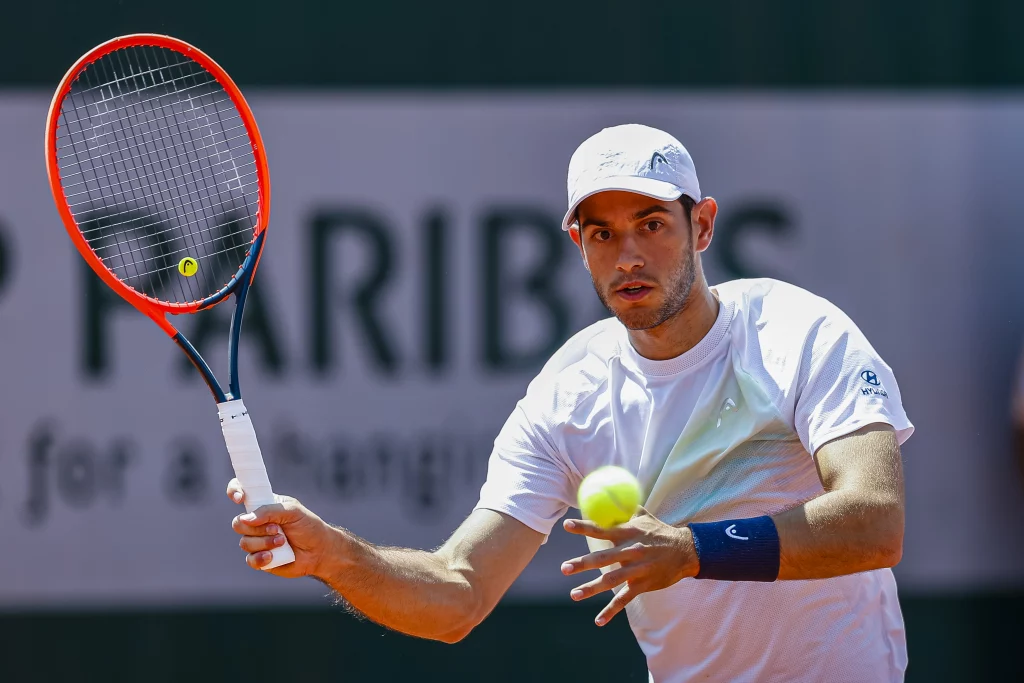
<point x="866" y="461"/>
<point x="490" y="549"/>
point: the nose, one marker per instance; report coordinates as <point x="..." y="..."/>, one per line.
<point x="629" y="258"/>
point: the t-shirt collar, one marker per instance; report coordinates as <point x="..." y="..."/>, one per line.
<point x="704" y="348"/>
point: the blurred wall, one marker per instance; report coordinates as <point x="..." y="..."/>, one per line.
<point x="417" y="278"/>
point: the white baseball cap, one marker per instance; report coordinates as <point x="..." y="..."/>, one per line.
<point x="631" y="158"/>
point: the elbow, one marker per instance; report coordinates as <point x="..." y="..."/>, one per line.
<point x="891" y="554"/>
<point x="468" y="618"/>
<point x="889" y="549"/>
<point x="463" y="629"/>
<point x="453" y="637"/>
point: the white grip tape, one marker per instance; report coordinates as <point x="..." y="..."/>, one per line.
<point x="247" y="460"/>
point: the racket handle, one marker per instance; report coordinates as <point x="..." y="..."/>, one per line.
<point x="247" y="460"/>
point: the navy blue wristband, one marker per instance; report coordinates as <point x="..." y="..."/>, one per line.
<point x="737" y="549"/>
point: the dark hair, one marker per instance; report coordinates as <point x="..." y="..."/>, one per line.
<point x="688" y="205"/>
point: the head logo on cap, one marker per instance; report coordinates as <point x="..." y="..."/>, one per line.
<point x="630" y="158"/>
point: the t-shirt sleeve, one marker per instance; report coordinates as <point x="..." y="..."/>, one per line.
<point x="843" y="385"/>
<point x="526" y="477"/>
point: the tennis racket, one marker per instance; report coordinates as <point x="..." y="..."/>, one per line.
<point x="160" y="176"/>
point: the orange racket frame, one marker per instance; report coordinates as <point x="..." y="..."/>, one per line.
<point x="154" y="308"/>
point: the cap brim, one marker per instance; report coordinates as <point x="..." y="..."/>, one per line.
<point x="650" y="187"/>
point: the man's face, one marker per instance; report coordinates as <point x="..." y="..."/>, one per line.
<point x="640" y="252"/>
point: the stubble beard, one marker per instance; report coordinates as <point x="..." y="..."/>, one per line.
<point x="677" y="292"/>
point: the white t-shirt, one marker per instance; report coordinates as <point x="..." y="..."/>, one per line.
<point x="723" y="431"/>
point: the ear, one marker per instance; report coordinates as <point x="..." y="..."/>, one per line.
<point x="574" y="233"/>
<point x="702" y="220"/>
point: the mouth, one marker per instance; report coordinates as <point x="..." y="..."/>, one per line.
<point x="633" y="291"/>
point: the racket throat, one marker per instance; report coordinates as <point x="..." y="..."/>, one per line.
<point x="202" y="367"/>
<point x="241" y="294"/>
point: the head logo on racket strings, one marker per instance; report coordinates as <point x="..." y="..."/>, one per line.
<point x="187" y="266"/>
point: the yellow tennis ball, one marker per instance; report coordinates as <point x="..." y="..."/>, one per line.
<point x="187" y="266"/>
<point x="609" y="496"/>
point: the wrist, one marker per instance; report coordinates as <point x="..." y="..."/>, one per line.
<point x="689" y="564"/>
<point x="340" y="551"/>
<point x="737" y="549"/>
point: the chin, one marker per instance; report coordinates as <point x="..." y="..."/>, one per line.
<point x="636" y="318"/>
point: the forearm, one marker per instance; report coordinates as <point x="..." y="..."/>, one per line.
<point x="412" y="591"/>
<point x="840" y="532"/>
<point x="856" y="525"/>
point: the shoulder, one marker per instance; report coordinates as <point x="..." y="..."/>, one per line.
<point x="577" y="371"/>
<point x="773" y="301"/>
<point x="782" y="314"/>
<point x="598" y="342"/>
<point x="782" y="332"/>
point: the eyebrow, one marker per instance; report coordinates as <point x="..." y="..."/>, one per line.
<point x="643" y="213"/>
<point x="593" y="221"/>
<point x="657" y="208"/>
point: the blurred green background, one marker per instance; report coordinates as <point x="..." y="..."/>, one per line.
<point x="915" y="44"/>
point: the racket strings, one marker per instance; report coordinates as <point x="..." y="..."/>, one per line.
<point x="159" y="235"/>
<point x="195" y="242"/>
<point x="138" y="158"/>
<point x="155" y="170"/>
<point x="184" y="62"/>
<point x="231" y="248"/>
<point x="105" y="124"/>
<point x="122" y="259"/>
<point x="134" y="239"/>
<point x="180" y="186"/>
<point x="207" y="174"/>
<point x="129" y="221"/>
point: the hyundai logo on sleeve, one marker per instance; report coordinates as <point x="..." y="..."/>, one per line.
<point x="875" y="389"/>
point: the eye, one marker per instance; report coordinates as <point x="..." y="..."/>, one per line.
<point x="652" y="225"/>
<point x="601" y="235"/>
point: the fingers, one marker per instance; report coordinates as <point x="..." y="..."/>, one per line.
<point x="259" y="536"/>
<point x="602" y="558"/>
<point x="643" y="551"/>
<point x="260" y="559"/>
<point x="582" y="527"/>
<point x="606" y="581"/>
<point x="235" y="492"/>
<point x="261" y="529"/>
<point x="617" y="604"/>
<point x="255" y="544"/>
<point x="248" y="528"/>
<point x="256" y="523"/>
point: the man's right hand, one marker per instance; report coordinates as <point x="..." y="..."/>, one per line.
<point x="439" y="594"/>
<point x="313" y="540"/>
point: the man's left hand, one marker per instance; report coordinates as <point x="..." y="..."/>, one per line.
<point x="652" y="555"/>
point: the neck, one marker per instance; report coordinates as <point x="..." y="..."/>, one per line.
<point x="684" y="330"/>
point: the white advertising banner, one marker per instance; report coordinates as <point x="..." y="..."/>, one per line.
<point x="415" y="279"/>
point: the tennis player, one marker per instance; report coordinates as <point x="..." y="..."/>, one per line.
<point x="763" y="426"/>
